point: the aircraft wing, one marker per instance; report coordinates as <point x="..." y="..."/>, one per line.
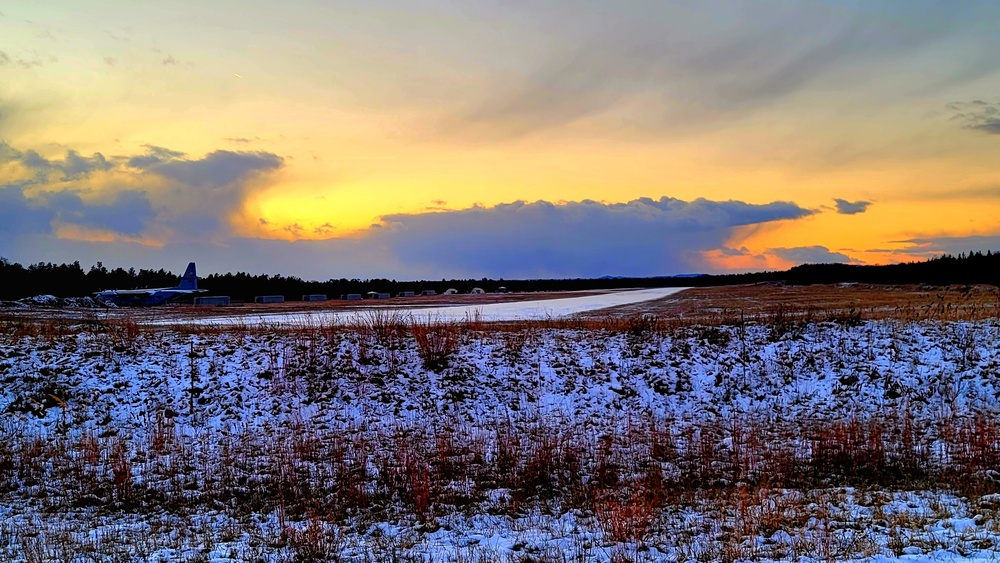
<point x="131" y="292"/>
<point x="157" y="296"/>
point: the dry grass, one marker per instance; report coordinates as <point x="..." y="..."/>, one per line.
<point x="624" y="481"/>
<point x="437" y="341"/>
<point x="778" y="304"/>
<point x="320" y="481"/>
<point x="307" y="470"/>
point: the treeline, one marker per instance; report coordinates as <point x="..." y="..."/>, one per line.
<point x="71" y="280"/>
<point x="964" y="269"/>
<point x="971" y="268"/>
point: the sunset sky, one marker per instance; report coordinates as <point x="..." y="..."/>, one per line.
<point x="470" y="138"/>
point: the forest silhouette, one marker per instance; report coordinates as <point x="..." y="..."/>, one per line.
<point x="72" y="280"/>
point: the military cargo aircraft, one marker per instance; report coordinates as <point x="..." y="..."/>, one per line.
<point x="150" y="297"/>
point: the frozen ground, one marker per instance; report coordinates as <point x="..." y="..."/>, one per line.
<point x="119" y="444"/>
<point x="522" y="310"/>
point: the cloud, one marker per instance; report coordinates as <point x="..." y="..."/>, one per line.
<point x="126" y="212"/>
<point x="845" y="207"/>
<point x="992" y="127"/>
<point x="203" y="192"/>
<point x="154" y="155"/>
<point x="928" y="247"/>
<point x="162" y="190"/>
<point x="978" y="115"/>
<point x="216" y="170"/>
<point x="642" y="237"/>
<point x="663" y="66"/>
<point x="810" y="255"/>
<point x="19" y="215"/>
<point x="187" y="200"/>
<point x="72" y="167"/>
<point x="727" y="259"/>
<point x="8" y="153"/>
<point x="32" y="61"/>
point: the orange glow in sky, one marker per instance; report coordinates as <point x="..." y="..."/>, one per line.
<point x="370" y="127"/>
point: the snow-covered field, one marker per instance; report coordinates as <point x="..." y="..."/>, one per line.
<point x="450" y="442"/>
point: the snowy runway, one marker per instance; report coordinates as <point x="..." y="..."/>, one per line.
<point x="523" y="310"/>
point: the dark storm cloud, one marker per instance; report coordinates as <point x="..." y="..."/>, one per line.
<point x="845" y="207"/>
<point x="695" y="66"/>
<point x="641" y="238"/>
<point x="810" y="255"/>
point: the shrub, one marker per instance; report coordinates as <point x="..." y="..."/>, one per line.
<point x="437" y="342"/>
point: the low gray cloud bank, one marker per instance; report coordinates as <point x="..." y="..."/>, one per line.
<point x="644" y="237"/>
<point x="810" y="255"/>
<point x="929" y="247"/>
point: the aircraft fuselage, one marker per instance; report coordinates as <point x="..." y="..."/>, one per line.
<point x="150" y="297"/>
<point x="141" y="298"/>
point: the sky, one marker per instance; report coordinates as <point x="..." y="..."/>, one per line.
<point x="486" y="138"/>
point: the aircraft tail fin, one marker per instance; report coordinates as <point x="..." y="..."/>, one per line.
<point x="190" y="279"/>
